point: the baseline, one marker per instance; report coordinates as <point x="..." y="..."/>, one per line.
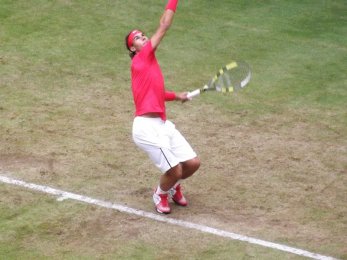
<point x="63" y="195"/>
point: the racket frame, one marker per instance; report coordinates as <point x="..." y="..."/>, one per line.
<point x="212" y="86"/>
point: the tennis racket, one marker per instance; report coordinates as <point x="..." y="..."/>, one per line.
<point x="230" y="78"/>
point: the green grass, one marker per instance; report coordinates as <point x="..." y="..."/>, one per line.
<point x="274" y="155"/>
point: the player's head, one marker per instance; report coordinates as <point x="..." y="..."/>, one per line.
<point x="134" y="41"/>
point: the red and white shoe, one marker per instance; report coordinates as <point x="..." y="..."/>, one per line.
<point x="161" y="202"/>
<point x="177" y="196"/>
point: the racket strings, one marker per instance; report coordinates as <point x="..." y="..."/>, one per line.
<point x="230" y="78"/>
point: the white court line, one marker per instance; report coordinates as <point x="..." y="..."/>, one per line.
<point x="62" y="195"/>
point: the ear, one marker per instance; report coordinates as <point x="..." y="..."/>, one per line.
<point x="132" y="49"/>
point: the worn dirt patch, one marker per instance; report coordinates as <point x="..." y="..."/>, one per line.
<point x="273" y="178"/>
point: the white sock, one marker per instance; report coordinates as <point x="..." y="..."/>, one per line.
<point x="160" y="191"/>
<point x="177" y="183"/>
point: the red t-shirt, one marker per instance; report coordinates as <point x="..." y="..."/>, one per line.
<point x="148" y="83"/>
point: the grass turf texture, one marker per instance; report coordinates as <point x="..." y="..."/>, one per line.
<point x="274" y="155"/>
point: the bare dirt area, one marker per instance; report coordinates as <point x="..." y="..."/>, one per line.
<point x="275" y="178"/>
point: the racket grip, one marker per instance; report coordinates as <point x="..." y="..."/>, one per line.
<point x="194" y="93"/>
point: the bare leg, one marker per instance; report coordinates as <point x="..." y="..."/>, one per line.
<point x="181" y="171"/>
<point x="190" y="167"/>
<point x="169" y="179"/>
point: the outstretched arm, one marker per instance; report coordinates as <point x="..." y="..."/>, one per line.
<point x="165" y="23"/>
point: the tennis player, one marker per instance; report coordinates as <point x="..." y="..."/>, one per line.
<point x="152" y="132"/>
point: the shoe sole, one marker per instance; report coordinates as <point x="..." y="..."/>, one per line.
<point x="177" y="203"/>
<point x="162" y="212"/>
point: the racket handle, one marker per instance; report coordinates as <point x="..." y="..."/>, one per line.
<point x="194" y="93"/>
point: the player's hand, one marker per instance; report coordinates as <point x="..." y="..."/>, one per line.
<point x="182" y="97"/>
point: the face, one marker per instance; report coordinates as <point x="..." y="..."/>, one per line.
<point x="140" y="40"/>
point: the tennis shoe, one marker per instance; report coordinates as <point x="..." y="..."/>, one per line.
<point x="177" y="196"/>
<point x="161" y="203"/>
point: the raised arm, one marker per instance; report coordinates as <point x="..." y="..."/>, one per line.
<point x="165" y="23"/>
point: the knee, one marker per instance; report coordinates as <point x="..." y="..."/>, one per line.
<point x="193" y="165"/>
<point x="196" y="163"/>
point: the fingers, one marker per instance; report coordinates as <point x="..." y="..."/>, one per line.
<point x="183" y="97"/>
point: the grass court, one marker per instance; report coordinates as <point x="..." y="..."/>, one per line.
<point x="274" y="156"/>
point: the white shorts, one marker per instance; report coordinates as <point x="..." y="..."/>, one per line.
<point x="163" y="143"/>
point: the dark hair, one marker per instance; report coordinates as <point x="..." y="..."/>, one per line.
<point x="131" y="53"/>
